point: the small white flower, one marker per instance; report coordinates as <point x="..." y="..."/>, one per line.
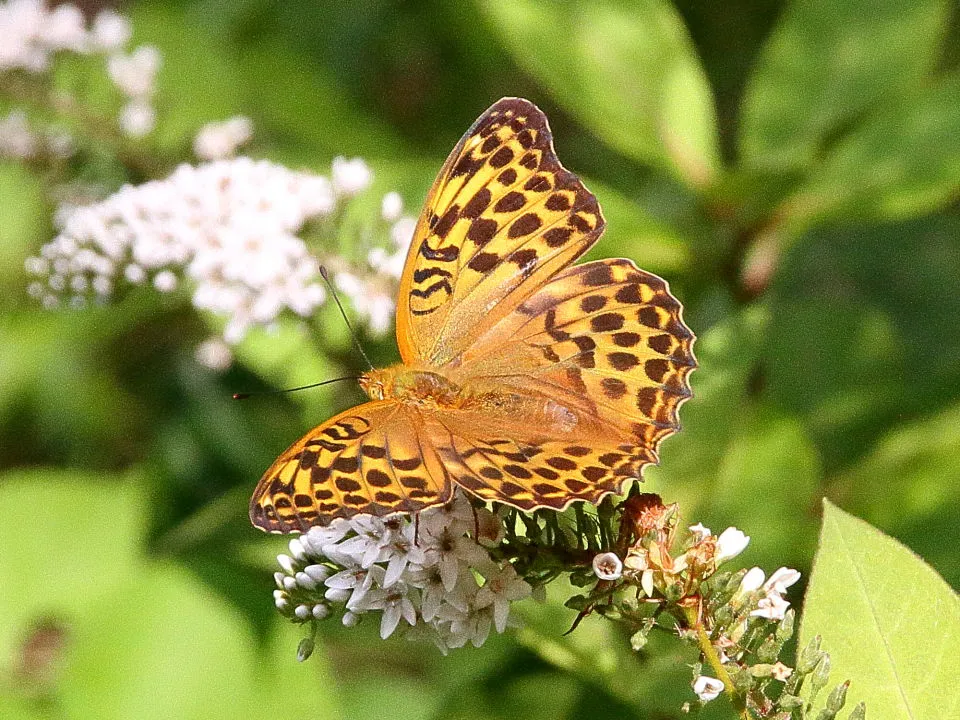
<point x="305" y="581"/>
<point x="399" y="552"/>
<point x="358" y="581"/>
<point x="219" y="140"/>
<point x="320" y="611"/>
<point x="17" y="139"/>
<point x="137" y="118"/>
<point x="286" y="562"/>
<point x="731" y="543"/>
<point x="165" y="281"/>
<point x="316" y="537"/>
<point x="781" y="579"/>
<point x="350" y="619"/>
<point x="63" y="29"/>
<point x="134" y="274"/>
<point x="391" y="207"/>
<point x="700" y="532"/>
<point x="134" y="74"/>
<point x="214" y="354"/>
<point x="771" y="607"/>
<point x="458" y="628"/>
<point x="110" y="31"/>
<point x="607" y="566"/>
<point x="447" y="551"/>
<point x="502" y="588"/>
<point x="752" y="581"/>
<point x="350" y="177"/>
<point x="707" y="688"/>
<point x="303" y="612"/>
<point x="395" y="604"/>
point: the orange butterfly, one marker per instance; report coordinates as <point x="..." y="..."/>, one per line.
<point x="525" y="380"/>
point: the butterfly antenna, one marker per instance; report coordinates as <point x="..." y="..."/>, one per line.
<point x="245" y="395"/>
<point x="353" y="335"/>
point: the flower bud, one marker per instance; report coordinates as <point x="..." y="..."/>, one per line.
<point x="317" y="572"/>
<point x="305" y="581"/>
<point x="752" y="581"/>
<point x="837" y="698"/>
<point x="731" y="543"/>
<point x="305" y="649"/>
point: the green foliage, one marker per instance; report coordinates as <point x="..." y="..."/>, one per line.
<point x="890" y="622"/>
<point x="808" y="223"/>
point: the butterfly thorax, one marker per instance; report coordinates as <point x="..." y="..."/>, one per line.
<point x="417" y="387"/>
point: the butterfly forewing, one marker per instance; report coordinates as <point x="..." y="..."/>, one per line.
<point x="375" y="459"/>
<point x="502" y="218"/>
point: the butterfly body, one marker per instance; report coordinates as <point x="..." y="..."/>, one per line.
<point x="525" y="379"/>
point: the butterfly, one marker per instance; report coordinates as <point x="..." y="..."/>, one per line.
<point x="525" y="379"/>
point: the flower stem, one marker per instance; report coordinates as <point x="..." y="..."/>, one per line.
<point x="710" y="654"/>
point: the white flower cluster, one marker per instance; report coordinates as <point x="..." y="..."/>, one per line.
<point x="228" y="226"/>
<point x="771" y="603"/>
<point x="30" y="33"/>
<point x="431" y="574"/>
<point x="220" y="140"/>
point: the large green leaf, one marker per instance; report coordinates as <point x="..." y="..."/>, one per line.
<point x="626" y="70"/>
<point x="68" y="539"/>
<point x="827" y="63"/>
<point x="919" y="498"/>
<point x="904" y="161"/>
<point x="889" y="622"/>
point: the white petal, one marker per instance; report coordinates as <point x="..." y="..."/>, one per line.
<point x="752" y="581"/>
<point x="731" y="543"/>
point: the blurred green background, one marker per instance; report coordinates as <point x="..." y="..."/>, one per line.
<point x="793" y="170"/>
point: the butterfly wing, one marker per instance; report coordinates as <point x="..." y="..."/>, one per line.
<point x="502" y="218"/>
<point x="577" y="387"/>
<point x="376" y="458"/>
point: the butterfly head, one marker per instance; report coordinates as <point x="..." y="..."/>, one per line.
<point x="377" y="384"/>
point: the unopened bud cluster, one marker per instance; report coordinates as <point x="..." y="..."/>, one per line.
<point x="741" y="620"/>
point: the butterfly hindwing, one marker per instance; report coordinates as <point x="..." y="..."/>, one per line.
<point x="538" y="472"/>
<point x="374" y="459"/>
<point x="604" y="336"/>
<point x="502" y="217"/>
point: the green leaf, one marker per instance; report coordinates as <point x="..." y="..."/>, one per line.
<point x="626" y="70"/>
<point x="68" y="539"/>
<point x="22" y="224"/>
<point x="919" y="503"/>
<point x="827" y="63"/>
<point x="889" y="622"/>
<point x="901" y="163"/>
